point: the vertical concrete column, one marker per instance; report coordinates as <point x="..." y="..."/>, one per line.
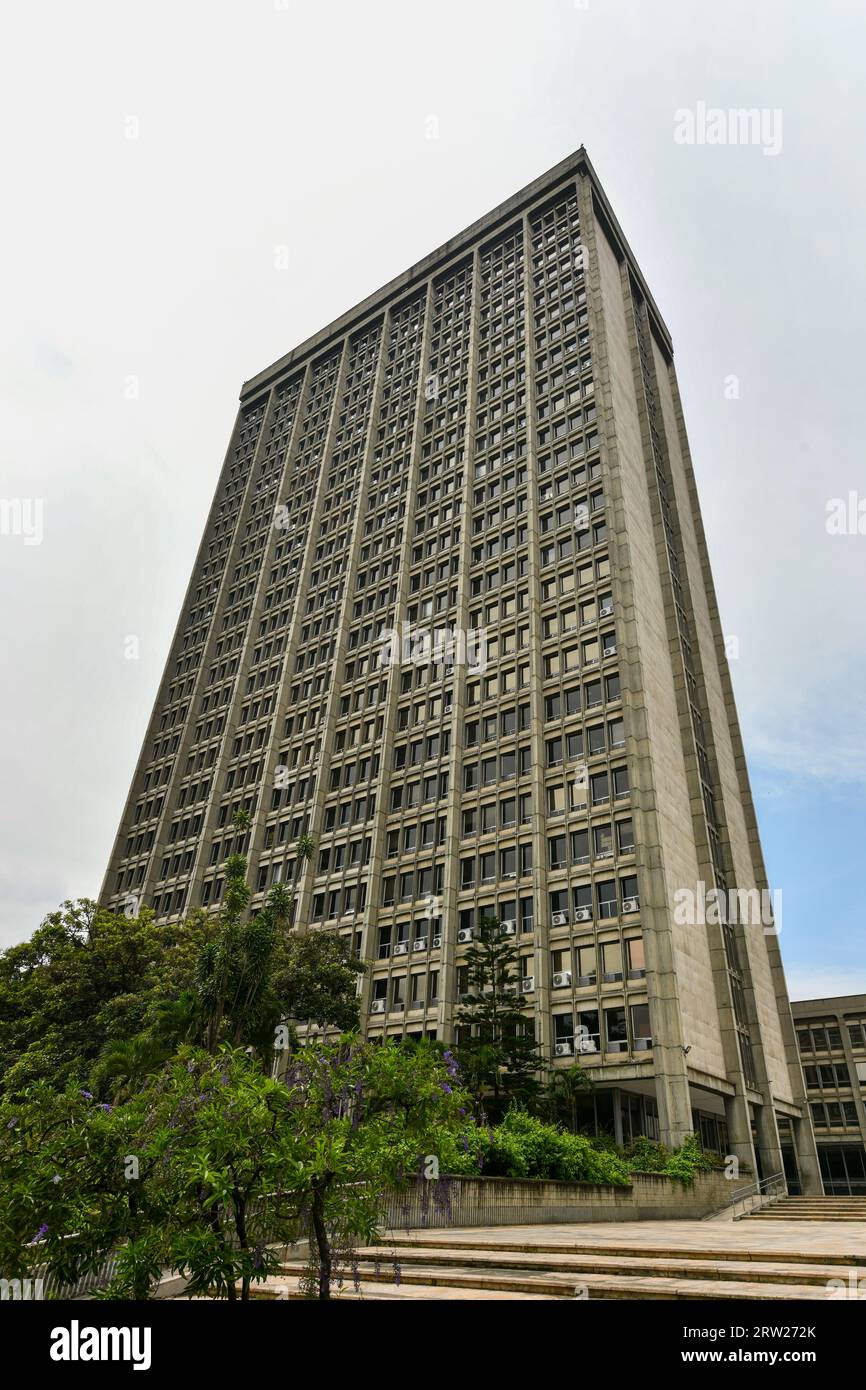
<point x="448" y="957"/>
<point x="541" y="965"/>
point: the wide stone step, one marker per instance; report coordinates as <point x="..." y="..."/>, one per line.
<point x="811" y="1209"/>
<point x="770" y="1215"/>
<point x="431" y="1240"/>
<point x="670" y="1264"/>
<point x="827" y="1208"/>
<point x="469" y="1283"/>
<point x="282" y="1287"/>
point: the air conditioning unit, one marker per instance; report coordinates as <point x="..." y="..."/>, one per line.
<point x="583" y="914"/>
<point x="510" y="875"/>
<point x="398" y="1005"/>
<point x="559" y="919"/>
<point x="508" y="926"/>
<point x="606" y="610"/>
<point x="419" y="944"/>
<point x="610" y="977"/>
<point x="642" y="1044"/>
<point x="584" y="980"/>
<point x="377" y="1006"/>
<point x="402" y="948"/>
<point x="437" y="942"/>
<point x="448" y="709"/>
<point x="527" y="984"/>
<point x="604" y="854"/>
<point x="563" y="1049"/>
<point x="464" y="935"/>
<point x="630" y="904"/>
<point x="561" y="979"/>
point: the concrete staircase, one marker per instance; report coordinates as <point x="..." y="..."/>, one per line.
<point x="811" y="1209"/>
<point x="425" y="1265"/>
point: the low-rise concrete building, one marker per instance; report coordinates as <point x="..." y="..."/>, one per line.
<point x="831" y="1035"/>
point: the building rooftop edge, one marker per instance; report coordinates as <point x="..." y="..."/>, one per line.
<point x="577" y="162"/>
<point x="855" y="1001"/>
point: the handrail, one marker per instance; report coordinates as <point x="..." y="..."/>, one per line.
<point x="766" y="1190"/>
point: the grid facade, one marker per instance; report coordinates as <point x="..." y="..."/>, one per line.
<point x="831" y="1035"/>
<point x="452" y="617"/>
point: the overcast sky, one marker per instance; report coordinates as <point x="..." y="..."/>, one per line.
<point x="162" y="160"/>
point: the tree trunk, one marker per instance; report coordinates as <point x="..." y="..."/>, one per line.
<point x="241" y="1228"/>
<point x="320" y="1231"/>
<point x="231" y="1293"/>
<point x="213" y="1028"/>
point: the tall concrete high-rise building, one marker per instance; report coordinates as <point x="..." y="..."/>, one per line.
<point x="491" y="446"/>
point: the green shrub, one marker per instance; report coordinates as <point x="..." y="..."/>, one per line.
<point x="523" y="1146"/>
<point x="646" y="1157"/>
<point x="463" y="1156"/>
<point x="581" y="1161"/>
<point x="687" y="1160"/>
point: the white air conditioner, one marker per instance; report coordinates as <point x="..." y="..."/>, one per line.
<point x="437" y="942"/>
<point x="606" y="610"/>
<point x="583" y="914"/>
<point x="402" y="948"/>
<point x="563" y="1049"/>
<point x="604" y="854"/>
<point x="561" y="979"/>
<point x="559" y="919"/>
<point x="527" y="984"/>
<point x="630" y="904"/>
<point x="377" y="1006"/>
<point x="464" y="935"/>
<point x="419" y="944"/>
<point x="448" y="709"/>
<point x="508" y="926"/>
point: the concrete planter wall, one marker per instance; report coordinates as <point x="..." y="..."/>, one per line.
<point x="535" y="1201"/>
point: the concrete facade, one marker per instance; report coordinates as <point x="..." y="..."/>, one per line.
<point x="491" y="443"/>
<point x="831" y="1038"/>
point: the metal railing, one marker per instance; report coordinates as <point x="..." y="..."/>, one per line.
<point x="759" y="1193"/>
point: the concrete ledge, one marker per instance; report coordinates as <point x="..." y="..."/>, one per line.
<point x="467" y="1201"/>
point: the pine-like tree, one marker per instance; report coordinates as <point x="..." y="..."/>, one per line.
<point x="498" y="1054"/>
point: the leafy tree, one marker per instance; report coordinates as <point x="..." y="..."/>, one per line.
<point x="565" y="1089"/>
<point x="123" y="1066"/>
<point x="499" y="1055"/>
<point x="87" y="977"/>
<point x="104" y="999"/>
<point x="255" y="973"/>
<point x="215" y="1142"/>
<point x="368" y="1118"/>
<point x="67" y="1195"/>
<point x="213" y="1166"/>
<point x="316" y="980"/>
